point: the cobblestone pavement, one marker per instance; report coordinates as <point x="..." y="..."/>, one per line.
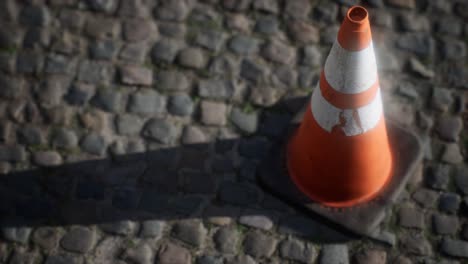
<point x="158" y="112"/>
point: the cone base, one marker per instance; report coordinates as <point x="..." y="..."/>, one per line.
<point x="362" y="219"/>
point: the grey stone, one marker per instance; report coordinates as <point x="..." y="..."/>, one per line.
<point x="238" y="22"/>
<point x="452" y="154"/>
<point x="328" y="35"/>
<point x="417" y="67"/>
<point x="108" y="99"/>
<point x="441" y="99"/>
<point x="172" y="81"/>
<point x="170" y="10"/>
<point x="94" y="144"/>
<point x="50" y="93"/>
<point x="59" y="64"/>
<point x="147" y="102"/>
<point x="103" y="50"/>
<point x="449" y="203"/>
<point x="47" y="158"/>
<point x="438" y="176"/>
<point x="449" y="128"/>
<point x="419" y="43"/>
<point x="140" y="254"/>
<point x="15" y="153"/>
<point x="72" y="19"/>
<point x="64" y="138"/>
<point x="192" y="58"/>
<point x="244" y="45"/>
<point x="229" y="193"/>
<point x="30" y="135"/>
<point x="253" y="70"/>
<point x="303" y="32"/>
<point x="181" y="104"/>
<point x="128" y="124"/>
<point x="264" y="96"/>
<point x="210" y="39"/>
<point x="334" y="253"/>
<point x="193" y="135"/>
<point x="327" y="12"/>
<point x="210" y="260"/>
<point x="311" y="56"/>
<point x="280" y="52"/>
<point x="371" y="256"/>
<point x="411" y="217"/>
<point x="133" y="8"/>
<point x="11" y="87"/>
<point x="79" y="239"/>
<point x="172" y="29"/>
<point x="236" y="5"/>
<point x="267" y="25"/>
<point x="171" y="253"/>
<point x="165" y="50"/>
<point x="454" y="49"/>
<point x="123" y="227"/>
<point x="106" y="6"/>
<point x="412" y="22"/>
<point x="284" y="77"/>
<point x="258" y="244"/>
<point x="190" y="231"/>
<point x="23" y="257"/>
<point x="133" y="52"/>
<point x="95" y="72"/>
<point x="80" y="93"/>
<point x="35" y="15"/>
<point x="138" y="30"/>
<point x="63" y="259"/>
<point x="152" y="229"/>
<point x="297" y="250"/>
<point x="408" y="4"/>
<point x="161" y="130"/>
<point x="226" y="240"/>
<point x="298" y="9"/>
<point x="136" y="75"/>
<point x="256" y="219"/>
<point x="16" y="234"/>
<point x="241" y="259"/>
<point x="29" y="62"/>
<point x="461" y="179"/>
<point x="46" y="237"/>
<point x="416" y="244"/>
<point x="455" y="248"/>
<point x="270" y="6"/>
<point x="449" y="25"/>
<point x="102" y="27"/>
<point x="107" y="250"/>
<point x="445" y="225"/>
<point x="426" y="197"/>
<point x="246" y="122"/>
<point x="215" y="89"/>
<point x="213" y="113"/>
<point x="68" y="43"/>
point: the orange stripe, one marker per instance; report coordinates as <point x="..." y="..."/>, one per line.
<point x="347" y="101"/>
<point x="355" y="33"/>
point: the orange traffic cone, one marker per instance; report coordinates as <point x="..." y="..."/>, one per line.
<point x="340" y="155"/>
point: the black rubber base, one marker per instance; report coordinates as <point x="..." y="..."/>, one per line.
<point x="362" y="219"/>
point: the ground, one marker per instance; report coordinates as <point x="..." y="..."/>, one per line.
<point x="131" y="130"/>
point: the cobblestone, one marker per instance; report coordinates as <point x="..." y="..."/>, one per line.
<point x="192" y="232"/>
<point x="79" y="239"/>
<point x="171" y="253"/>
<point x="226" y="240"/>
<point x="257" y="244"/>
<point x="445" y="225"/>
<point x="335" y="253"/>
<point x="297" y="250"/>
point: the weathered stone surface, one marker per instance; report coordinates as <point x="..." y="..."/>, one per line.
<point x="426" y="197"/>
<point x="134" y="52"/>
<point x="461" y="179"/>
<point x="213" y="113"/>
<point x="253" y="70"/>
<point x="416" y="244"/>
<point x="172" y="10"/>
<point x="181" y="105"/>
<point x="419" y="43"/>
<point x="193" y="135"/>
<point x="101" y="27"/>
<point x="35" y="15"/>
<point x="161" y="130"/>
<point x="62" y="259"/>
<point x="106" y="6"/>
<point x="94" y="144"/>
<point x="334" y="253"/>
<point x="137" y="30"/>
<point x="128" y="124"/>
<point x="420" y="69"/>
<point x="371" y="256"/>
<point x="411" y="217"/>
<point x="226" y="240"/>
<point x="123" y="227"/>
<point x="16" y="234"/>
<point x="449" y="203"/>
<point x="80" y="93"/>
<point x="455" y="248"/>
<point x="297" y="8"/>
<point x="152" y="229"/>
<point x="256" y="219"/>
<point x="449" y="128"/>
<point x="441" y="99"/>
<point x="303" y="32"/>
<point x="46" y="237"/>
<point x="47" y="158"/>
<point x="136" y="75"/>
<point x="12" y="153"/>
<point x="190" y="231"/>
<point x="297" y="250"/>
<point x="242" y="259"/>
<point x="95" y="72"/>
<point x="171" y="253"/>
<point x="79" y="239"/>
<point x="147" y="102"/>
<point x="438" y="176"/>
<point x="445" y="225"/>
<point x="210" y="260"/>
<point x="246" y="122"/>
<point x="409" y="4"/>
<point x="165" y="50"/>
<point x="452" y="154"/>
<point x="244" y="45"/>
<point x="215" y="89"/>
<point x="191" y="58"/>
<point x="140" y="254"/>
<point x="277" y="51"/>
<point x="172" y="81"/>
<point x="258" y="244"/>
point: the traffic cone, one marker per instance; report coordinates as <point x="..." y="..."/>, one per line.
<point x="340" y="155"/>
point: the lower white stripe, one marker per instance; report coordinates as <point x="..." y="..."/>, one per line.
<point x="328" y="116"/>
<point x="350" y="72"/>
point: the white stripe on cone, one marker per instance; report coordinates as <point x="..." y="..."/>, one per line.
<point x="350" y="72"/>
<point x="328" y="116"/>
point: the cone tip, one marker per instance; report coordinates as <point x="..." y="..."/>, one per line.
<point x="355" y="34"/>
<point x="357" y="15"/>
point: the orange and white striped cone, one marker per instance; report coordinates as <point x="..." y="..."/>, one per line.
<point x="344" y="154"/>
<point x="343" y="138"/>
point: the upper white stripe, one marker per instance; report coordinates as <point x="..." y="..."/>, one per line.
<point x="351" y="72"/>
<point x="328" y="116"/>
